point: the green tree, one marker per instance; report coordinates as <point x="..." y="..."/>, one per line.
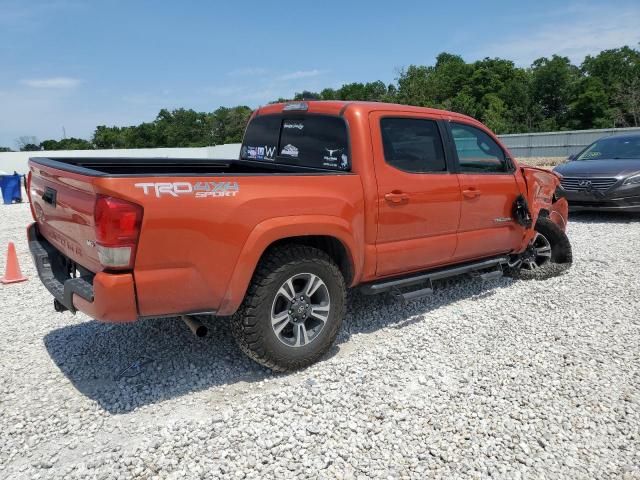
<point x="27" y="143"/>
<point x="5" y="149"/>
<point x="618" y="70"/>
<point x="66" y="144"/>
<point x="329" y="94"/>
<point x="522" y="113"/>
<point x="449" y="76"/>
<point x="415" y="86"/>
<point x="626" y="101"/>
<point x="613" y="67"/>
<point x="495" y="113"/>
<point x="30" y="147"/>
<point x="228" y="124"/>
<point x="307" y="95"/>
<point x="109" y="137"/>
<point x="179" y="128"/>
<point x="589" y="107"/>
<point x="552" y="85"/>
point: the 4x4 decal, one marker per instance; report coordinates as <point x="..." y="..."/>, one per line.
<point x="197" y="189"/>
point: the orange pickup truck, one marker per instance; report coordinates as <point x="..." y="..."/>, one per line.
<point x="324" y="196"/>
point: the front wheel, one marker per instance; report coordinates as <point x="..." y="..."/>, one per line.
<point x="547" y="255"/>
<point x="293" y="309"/>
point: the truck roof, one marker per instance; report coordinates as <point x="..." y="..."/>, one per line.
<point x="338" y="107"/>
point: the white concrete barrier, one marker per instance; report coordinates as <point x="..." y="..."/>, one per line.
<point x="17" y="161"/>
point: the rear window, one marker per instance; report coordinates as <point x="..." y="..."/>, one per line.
<point x="317" y="141"/>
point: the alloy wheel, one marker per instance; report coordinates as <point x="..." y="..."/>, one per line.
<point x="539" y="253"/>
<point x="300" y="309"/>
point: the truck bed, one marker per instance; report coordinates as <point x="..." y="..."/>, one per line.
<point x="199" y="217"/>
<point x="132" y="167"/>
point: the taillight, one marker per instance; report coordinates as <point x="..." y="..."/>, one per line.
<point x="28" y="188"/>
<point x="117" y="230"/>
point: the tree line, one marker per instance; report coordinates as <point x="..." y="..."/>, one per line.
<point x="550" y="95"/>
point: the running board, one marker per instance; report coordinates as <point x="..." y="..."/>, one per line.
<point x="411" y="295"/>
<point x="492" y="275"/>
<point x="439" y="274"/>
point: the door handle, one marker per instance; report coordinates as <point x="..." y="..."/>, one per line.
<point x="49" y="196"/>
<point x="471" y="193"/>
<point x="396" y="197"/>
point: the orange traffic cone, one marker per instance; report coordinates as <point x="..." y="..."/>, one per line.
<point x="12" y="273"/>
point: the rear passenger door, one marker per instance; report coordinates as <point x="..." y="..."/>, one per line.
<point x="418" y="195"/>
<point x="489" y="190"/>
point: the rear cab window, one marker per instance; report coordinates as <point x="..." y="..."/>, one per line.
<point x="312" y="141"/>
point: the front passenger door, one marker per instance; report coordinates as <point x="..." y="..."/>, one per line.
<point x="489" y="190"/>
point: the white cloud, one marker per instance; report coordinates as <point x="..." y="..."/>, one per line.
<point x="224" y="90"/>
<point x="579" y="31"/>
<point x="53" y="82"/>
<point x="265" y="87"/>
<point x="247" y="72"/>
<point x="300" y="74"/>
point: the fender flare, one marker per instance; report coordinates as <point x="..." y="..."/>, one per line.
<point x="269" y="231"/>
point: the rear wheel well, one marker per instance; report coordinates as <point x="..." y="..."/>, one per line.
<point x="330" y="245"/>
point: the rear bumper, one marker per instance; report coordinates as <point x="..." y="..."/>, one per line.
<point x="103" y="296"/>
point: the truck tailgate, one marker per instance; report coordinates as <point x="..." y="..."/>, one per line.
<point x="63" y="204"/>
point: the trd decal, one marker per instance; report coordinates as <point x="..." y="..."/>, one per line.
<point x="197" y="189"/>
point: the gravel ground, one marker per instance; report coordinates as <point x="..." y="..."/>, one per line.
<point x="506" y="379"/>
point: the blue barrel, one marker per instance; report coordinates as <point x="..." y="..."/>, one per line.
<point x="11" y="191"/>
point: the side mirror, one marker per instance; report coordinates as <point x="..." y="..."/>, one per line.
<point x="571" y="157"/>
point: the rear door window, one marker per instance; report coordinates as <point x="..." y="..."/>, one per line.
<point x="317" y="141"/>
<point x="413" y="145"/>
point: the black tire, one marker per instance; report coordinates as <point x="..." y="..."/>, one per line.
<point x="251" y="325"/>
<point x="561" y="255"/>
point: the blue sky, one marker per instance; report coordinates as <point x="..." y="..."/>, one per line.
<point x="80" y="64"/>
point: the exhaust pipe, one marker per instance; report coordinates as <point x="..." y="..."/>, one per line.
<point x="195" y="325"/>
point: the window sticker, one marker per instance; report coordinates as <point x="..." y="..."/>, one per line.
<point x="344" y="162"/>
<point x="591" y="155"/>
<point x="290" y="151"/>
<point x="252" y="152"/>
<point x="330" y="158"/>
<point x="289" y="125"/>
<point x="270" y="152"/>
<point x="266" y="152"/>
